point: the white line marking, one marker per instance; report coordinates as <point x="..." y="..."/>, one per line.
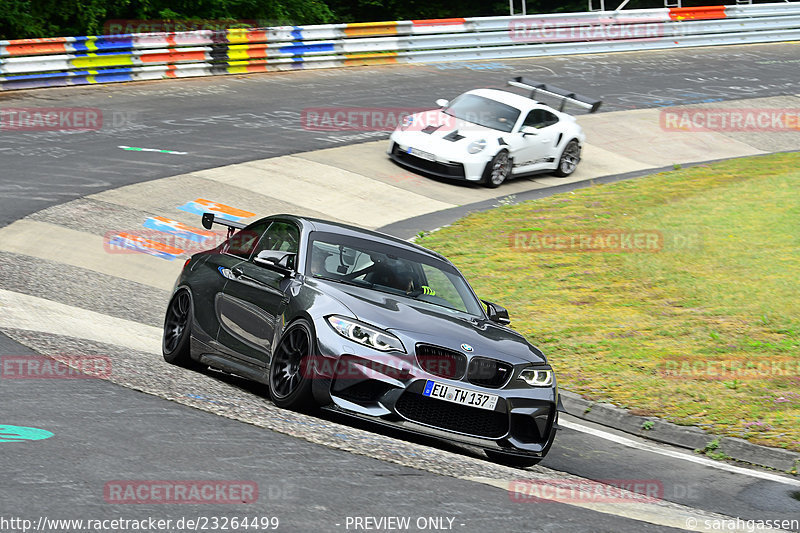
<point x="137" y="149"/>
<point x="658" y="512"/>
<point x="678" y="455"/>
<point x="21" y="311"/>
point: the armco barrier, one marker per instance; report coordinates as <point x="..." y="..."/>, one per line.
<point x="31" y="63"/>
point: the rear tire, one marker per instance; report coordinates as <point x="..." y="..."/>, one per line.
<point x="497" y="170"/>
<point x="175" y="343"/>
<point x="569" y="159"/>
<point x="508" y="459"/>
<point x="289" y="371"/>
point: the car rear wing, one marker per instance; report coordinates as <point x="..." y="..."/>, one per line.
<point x="563" y="95"/>
<point x="209" y="219"/>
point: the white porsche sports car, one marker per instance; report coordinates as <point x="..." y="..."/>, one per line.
<point x="491" y="135"/>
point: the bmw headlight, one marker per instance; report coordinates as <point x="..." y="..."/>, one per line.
<point x="476" y="146"/>
<point x="537" y="377"/>
<point x="367" y="335"/>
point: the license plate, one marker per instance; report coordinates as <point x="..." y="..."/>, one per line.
<point x="421" y="154"/>
<point x="471" y="398"/>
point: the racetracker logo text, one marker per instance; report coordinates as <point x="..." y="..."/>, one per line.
<point x="179" y="491"/>
<point x="566" y="29"/>
<point x="50" y="119"/>
<point x="730" y="119"/>
<point x="120" y="27"/>
<point x="611" y="241"/>
<point x="352" y="367"/>
<point x="730" y="369"/>
<point x="372" y="118"/>
<point x="57" y="367"/>
<point x="586" y="491"/>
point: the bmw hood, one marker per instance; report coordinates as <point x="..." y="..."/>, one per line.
<point x="427" y="323"/>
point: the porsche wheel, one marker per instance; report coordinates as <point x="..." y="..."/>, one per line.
<point x="177" y="330"/>
<point x="497" y="170"/>
<point x="289" y="379"/>
<point x="569" y="160"/>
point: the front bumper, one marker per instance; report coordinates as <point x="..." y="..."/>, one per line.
<point x="436" y="168"/>
<point x="387" y="388"/>
<point x="460" y="166"/>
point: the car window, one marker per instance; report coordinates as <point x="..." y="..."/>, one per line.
<point x="280" y="237"/>
<point x="439" y="284"/>
<point x="483" y="111"/>
<point x="389" y="269"/>
<point x="540" y="118"/>
<point x="332" y="260"/>
<point x="243" y="242"/>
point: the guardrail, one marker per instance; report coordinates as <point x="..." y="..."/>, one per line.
<point x="33" y="63"/>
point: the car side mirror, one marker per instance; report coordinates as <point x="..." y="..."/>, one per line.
<point x="497" y="313"/>
<point x="528" y="130"/>
<point x="441" y="102"/>
<point x="276" y="260"/>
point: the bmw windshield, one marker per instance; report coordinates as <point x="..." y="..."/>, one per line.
<point x="389" y="269"/>
<point x="483" y="112"/>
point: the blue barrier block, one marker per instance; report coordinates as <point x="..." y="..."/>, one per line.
<point x="105" y="43"/>
<point x="300" y="49"/>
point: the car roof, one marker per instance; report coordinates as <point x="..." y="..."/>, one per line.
<point x="329" y="226"/>
<point x="522" y="103"/>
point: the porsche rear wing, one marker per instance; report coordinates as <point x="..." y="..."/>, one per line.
<point x="563" y="95"/>
<point x="209" y="219"/>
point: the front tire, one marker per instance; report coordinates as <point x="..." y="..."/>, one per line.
<point x="569" y="160"/>
<point x="497" y="170"/>
<point x="175" y="345"/>
<point x="289" y="372"/>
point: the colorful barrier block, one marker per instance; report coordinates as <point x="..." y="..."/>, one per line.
<point x="146" y="246"/>
<point x="201" y="205"/>
<point x="63" y="61"/>
<point x="179" y="229"/>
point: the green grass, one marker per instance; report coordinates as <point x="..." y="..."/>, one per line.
<point x="646" y="330"/>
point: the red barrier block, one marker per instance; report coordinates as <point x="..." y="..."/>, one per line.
<point x="697" y="13"/>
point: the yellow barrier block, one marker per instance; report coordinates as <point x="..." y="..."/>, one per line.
<point x="90" y="43"/>
<point x="237" y="53"/>
<point x="362" y="29"/>
<point x="244" y="35"/>
<point x="101" y="61"/>
<point x="247" y="51"/>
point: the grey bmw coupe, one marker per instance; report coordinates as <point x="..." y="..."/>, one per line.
<point x="341" y="318"/>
